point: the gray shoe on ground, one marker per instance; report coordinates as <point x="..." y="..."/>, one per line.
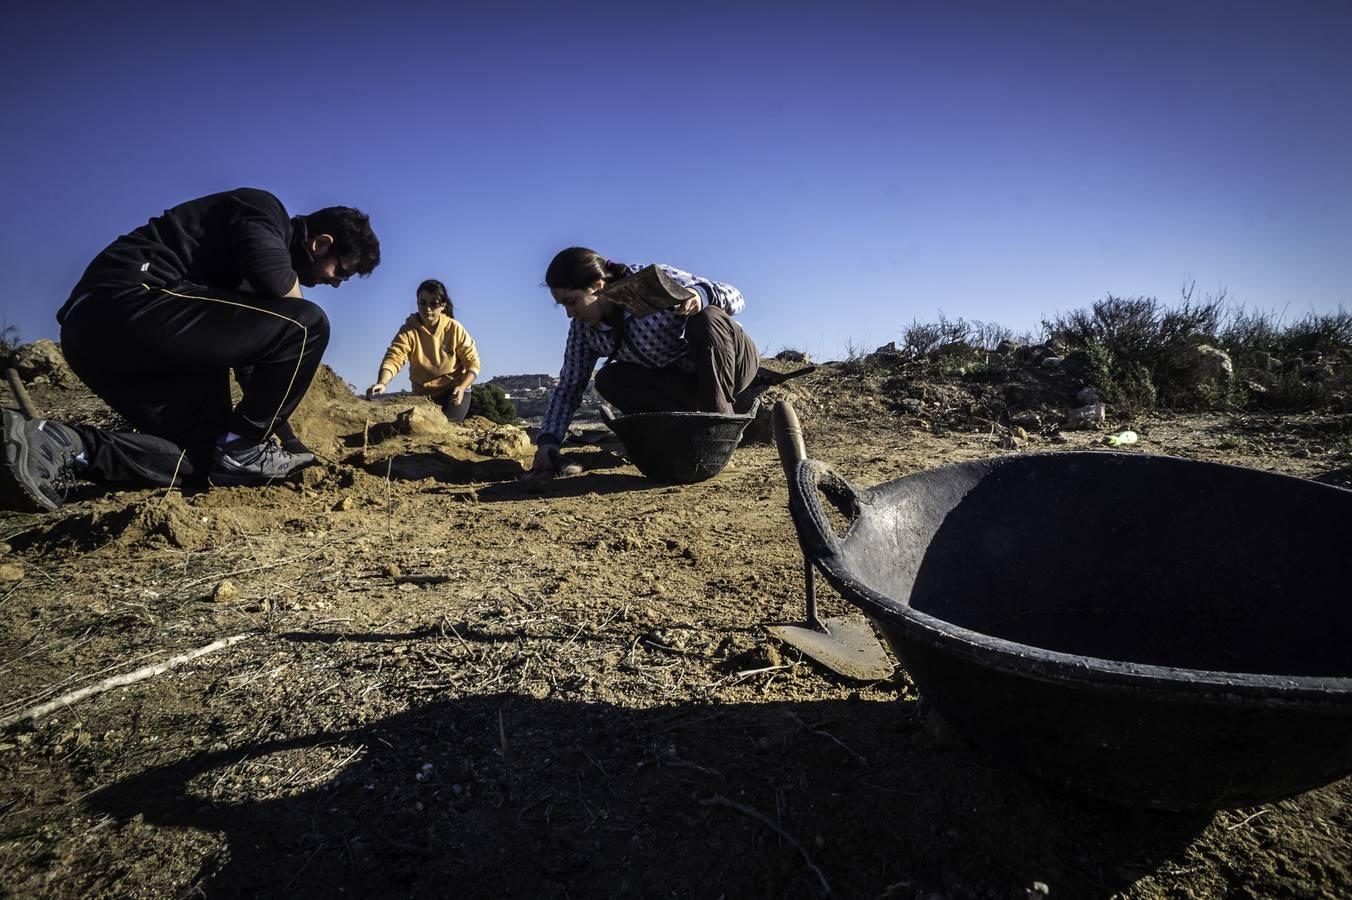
<point x="39" y="464"/>
<point x="301" y="454"/>
<point x="255" y="464"/>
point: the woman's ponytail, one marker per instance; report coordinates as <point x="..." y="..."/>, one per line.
<point x="578" y="268"/>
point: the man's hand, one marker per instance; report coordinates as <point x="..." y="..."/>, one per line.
<point x="459" y="395"/>
<point x="692" y="305"/>
<point x="374" y="389"/>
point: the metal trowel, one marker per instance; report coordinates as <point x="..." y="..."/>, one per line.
<point x="844" y="644"/>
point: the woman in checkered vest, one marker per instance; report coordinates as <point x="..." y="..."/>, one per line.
<point x="691" y="357"/>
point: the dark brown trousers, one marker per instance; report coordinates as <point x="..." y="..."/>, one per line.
<point x="725" y="361"/>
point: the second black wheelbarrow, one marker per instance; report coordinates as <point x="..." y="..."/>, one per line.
<point x="1155" y="631"/>
<point x="679" y="447"/>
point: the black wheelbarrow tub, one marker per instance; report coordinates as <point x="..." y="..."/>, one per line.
<point x="680" y="447"/>
<point x="1151" y="630"/>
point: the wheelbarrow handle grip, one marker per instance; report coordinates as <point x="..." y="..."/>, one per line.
<point x="789" y="438"/>
<point x="808" y="481"/>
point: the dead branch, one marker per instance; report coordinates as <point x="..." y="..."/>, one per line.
<point x="108" y="684"/>
<point x="262" y="567"/>
<point x="720" y="800"/>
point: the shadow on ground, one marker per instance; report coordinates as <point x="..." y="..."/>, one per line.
<point x="589" y="482"/>
<point x="506" y="795"/>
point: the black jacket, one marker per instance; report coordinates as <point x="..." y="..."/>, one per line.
<point x="221" y="240"/>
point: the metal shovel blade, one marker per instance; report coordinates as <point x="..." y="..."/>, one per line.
<point x="847" y="647"/>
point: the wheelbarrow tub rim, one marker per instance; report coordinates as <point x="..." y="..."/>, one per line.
<point x="1029" y="661"/>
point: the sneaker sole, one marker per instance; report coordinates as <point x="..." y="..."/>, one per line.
<point x="16" y="486"/>
<point x="217" y="480"/>
<point x="228" y="479"/>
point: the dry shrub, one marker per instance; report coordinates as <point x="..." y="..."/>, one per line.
<point x="922" y="338"/>
<point x="1135" y="345"/>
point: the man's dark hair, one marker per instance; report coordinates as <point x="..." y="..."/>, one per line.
<point x="352" y="235"/>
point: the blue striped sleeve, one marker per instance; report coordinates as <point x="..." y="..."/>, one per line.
<point x="578" y="362"/>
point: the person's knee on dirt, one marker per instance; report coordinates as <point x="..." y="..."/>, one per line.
<point x="247" y="453"/>
<point x="442" y="359"/>
<point x="686" y="357"/>
<point x="456" y="410"/>
<point x="285" y="435"/>
<point x="258" y="416"/>
<point x="159" y="319"/>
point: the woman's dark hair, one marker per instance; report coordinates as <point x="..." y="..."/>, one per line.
<point x="352" y="234"/>
<point x="438" y="292"/>
<point x="577" y="268"/>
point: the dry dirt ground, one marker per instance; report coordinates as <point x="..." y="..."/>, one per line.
<point x="578" y="699"/>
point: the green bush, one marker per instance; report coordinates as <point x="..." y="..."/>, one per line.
<point x="1288" y="392"/>
<point x="1127" y="385"/>
<point x="1319" y="332"/>
<point x="1263" y="331"/>
<point x="1135" y="345"/>
<point x="490" y="401"/>
<point x="1138" y="329"/>
<point x="1252" y="332"/>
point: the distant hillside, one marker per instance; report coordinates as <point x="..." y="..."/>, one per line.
<point x="513" y="383"/>
<point x="530" y="394"/>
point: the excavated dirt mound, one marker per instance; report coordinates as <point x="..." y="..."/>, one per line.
<point x="408" y="438"/>
<point x="456" y="683"/>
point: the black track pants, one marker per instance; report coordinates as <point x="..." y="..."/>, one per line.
<point x="162" y="359"/>
<point x="725" y="361"/>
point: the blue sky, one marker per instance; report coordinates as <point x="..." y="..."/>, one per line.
<point x="849" y="166"/>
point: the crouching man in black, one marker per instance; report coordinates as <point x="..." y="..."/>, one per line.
<point x="154" y="327"/>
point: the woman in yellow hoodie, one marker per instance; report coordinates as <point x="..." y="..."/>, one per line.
<point x="442" y="361"/>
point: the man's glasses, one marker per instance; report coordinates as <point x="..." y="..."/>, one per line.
<point x="339" y="272"/>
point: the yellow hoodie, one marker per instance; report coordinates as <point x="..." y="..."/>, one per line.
<point x="437" y="358"/>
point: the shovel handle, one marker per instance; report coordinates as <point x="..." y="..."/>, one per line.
<point x="21" y="394"/>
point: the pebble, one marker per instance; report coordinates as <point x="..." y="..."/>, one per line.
<point x="393" y="570"/>
<point x="11" y="571"/>
<point x="343" y="505"/>
<point x="224" y="592"/>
